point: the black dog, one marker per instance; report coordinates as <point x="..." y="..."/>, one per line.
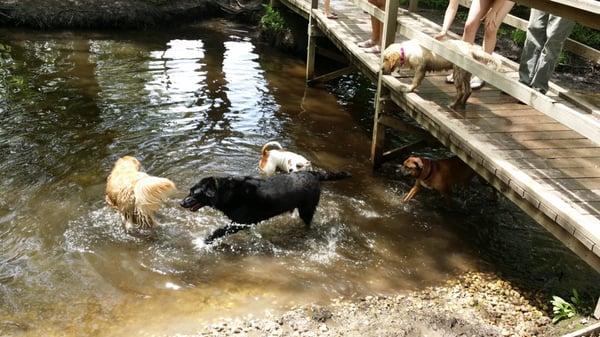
<point x="249" y="200"/>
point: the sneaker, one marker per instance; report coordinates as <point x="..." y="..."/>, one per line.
<point x="476" y="83"/>
<point x="450" y="78"/>
<point x="366" y="44"/>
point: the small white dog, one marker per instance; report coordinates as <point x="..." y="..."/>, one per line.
<point x="410" y="54"/>
<point x="135" y="194"/>
<point x="274" y="157"/>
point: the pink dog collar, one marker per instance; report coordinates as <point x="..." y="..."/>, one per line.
<point x="402" y="56"/>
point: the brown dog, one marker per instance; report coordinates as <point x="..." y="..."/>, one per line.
<point x="440" y="175"/>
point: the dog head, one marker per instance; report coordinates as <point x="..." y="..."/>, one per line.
<point x="416" y="166"/>
<point x="128" y="163"/>
<point x="393" y="56"/>
<point x="202" y="194"/>
<point x="296" y="165"/>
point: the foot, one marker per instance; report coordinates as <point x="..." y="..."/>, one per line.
<point x="373" y="50"/>
<point x="366" y="44"/>
<point x="450" y="78"/>
<point x="476" y="83"/>
<point x="332" y="16"/>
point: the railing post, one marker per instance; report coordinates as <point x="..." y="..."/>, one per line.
<point x="389" y="35"/>
<point x="312" y="34"/>
<point x="413" y="5"/>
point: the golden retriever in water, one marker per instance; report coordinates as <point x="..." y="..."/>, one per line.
<point x="410" y="54"/>
<point x="136" y="195"/>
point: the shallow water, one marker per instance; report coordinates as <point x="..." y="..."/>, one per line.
<point x="197" y="101"/>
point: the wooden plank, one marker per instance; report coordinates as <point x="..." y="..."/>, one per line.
<point x="503" y="142"/>
<point x="567" y="172"/>
<point x="555" y="163"/>
<point x="332" y="75"/>
<point x="585" y="12"/>
<point x="572" y="184"/>
<point x="490" y="128"/>
<point x="541" y="135"/>
<point x="547" y="153"/>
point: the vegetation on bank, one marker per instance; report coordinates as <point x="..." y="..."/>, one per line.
<point x="94" y="14"/>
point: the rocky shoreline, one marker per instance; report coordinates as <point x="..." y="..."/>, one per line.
<point x="476" y="304"/>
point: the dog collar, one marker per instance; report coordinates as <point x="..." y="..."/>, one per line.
<point x="402" y="56"/>
<point x="431" y="164"/>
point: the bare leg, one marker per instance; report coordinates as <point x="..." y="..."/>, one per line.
<point x="477" y="11"/>
<point x="489" y="38"/>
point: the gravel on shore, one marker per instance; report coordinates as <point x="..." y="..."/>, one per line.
<point x="476" y="304"/>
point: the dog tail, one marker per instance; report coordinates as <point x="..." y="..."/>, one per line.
<point x="271" y="146"/>
<point x="486" y="58"/>
<point x="328" y="176"/>
<point x="150" y="192"/>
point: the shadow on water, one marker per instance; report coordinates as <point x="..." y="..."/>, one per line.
<point x="199" y="101"/>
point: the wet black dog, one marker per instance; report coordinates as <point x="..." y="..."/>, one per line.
<point x="249" y="200"/>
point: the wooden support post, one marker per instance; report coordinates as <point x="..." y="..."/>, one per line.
<point x="597" y="311"/>
<point x="330" y="76"/>
<point x="275" y="3"/>
<point x="413" y="5"/>
<point x="310" y="53"/>
<point x="389" y="34"/>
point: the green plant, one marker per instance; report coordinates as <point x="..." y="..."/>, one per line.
<point x="272" y="20"/>
<point x="518" y="36"/>
<point x="563" y="309"/>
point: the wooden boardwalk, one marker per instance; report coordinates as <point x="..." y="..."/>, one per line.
<point x="544" y="156"/>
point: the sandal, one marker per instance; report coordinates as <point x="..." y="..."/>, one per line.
<point x="375" y="49"/>
<point x="366" y="44"/>
<point x="332" y="16"/>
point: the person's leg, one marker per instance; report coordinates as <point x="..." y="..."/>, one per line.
<point x="478" y="9"/>
<point x="558" y="30"/>
<point x="327" y="10"/>
<point x="375" y="28"/>
<point x="534" y="42"/>
<point x="489" y="37"/>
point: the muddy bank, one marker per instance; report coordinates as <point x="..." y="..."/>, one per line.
<point x="49" y="14"/>
<point x="476" y="304"/>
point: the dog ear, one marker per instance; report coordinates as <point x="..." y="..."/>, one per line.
<point x="418" y="161"/>
<point x="211" y="186"/>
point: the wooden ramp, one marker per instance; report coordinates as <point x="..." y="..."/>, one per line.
<point x="543" y="156"/>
